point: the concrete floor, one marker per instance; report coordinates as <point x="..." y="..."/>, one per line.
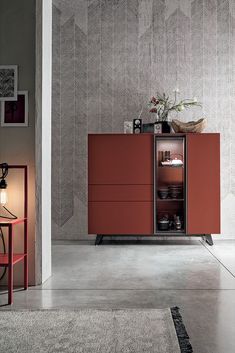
<point x="189" y="274"/>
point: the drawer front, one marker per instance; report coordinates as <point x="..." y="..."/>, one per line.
<point x="120" y="159"/>
<point x="120" y="218"/>
<point x="120" y="192"/>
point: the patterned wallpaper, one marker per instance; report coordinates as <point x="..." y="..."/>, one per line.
<point x="109" y="57"/>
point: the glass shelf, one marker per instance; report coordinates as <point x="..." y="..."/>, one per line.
<point x="170" y="232"/>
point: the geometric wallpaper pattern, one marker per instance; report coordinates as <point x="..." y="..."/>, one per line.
<point x="109" y="58"/>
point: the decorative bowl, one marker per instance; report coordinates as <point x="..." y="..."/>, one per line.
<point x="191" y="126"/>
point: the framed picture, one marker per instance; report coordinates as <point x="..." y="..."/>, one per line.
<point x="8" y="82"/>
<point x="157" y="128"/>
<point x="15" y="113"/>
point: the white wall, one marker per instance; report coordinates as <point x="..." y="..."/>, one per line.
<point x="46" y="137"/>
<point x="43" y="137"/>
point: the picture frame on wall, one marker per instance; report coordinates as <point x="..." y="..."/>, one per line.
<point x="8" y="82"/>
<point x="15" y="113"/>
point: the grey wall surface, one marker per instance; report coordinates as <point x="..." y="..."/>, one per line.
<point x="109" y="58"/>
<point x="17" y="145"/>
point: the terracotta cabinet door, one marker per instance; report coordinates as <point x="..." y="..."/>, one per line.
<point x="120" y="159"/>
<point x="203" y="183"/>
<point x="120" y="184"/>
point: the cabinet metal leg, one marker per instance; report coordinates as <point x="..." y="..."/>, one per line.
<point x="99" y="239"/>
<point x="208" y="239"/>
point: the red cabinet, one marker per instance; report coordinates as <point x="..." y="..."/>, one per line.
<point x="123" y="183"/>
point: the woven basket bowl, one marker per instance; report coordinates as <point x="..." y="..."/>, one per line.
<point x="191" y="126"/>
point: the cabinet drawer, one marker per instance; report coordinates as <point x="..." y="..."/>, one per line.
<point x="120" y="218"/>
<point x="120" y="192"/>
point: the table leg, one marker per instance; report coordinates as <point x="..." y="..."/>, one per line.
<point x="10" y="266"/>
<point x="26" y="254"/>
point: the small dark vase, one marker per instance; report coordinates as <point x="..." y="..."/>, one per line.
<point x="166" y="128"/>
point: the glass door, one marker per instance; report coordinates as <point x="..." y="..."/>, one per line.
<point x="169" y="185"/>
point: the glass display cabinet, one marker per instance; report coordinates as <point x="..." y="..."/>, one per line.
<point x="169" y="185"/>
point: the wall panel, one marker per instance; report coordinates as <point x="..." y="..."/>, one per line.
<point x="125" y="50"/>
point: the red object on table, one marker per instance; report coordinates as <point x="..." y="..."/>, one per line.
<point x="10" y="259"/>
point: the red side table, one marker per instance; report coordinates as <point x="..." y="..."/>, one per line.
<point x="10" y="259"/>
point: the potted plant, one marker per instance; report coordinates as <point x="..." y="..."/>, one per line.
<point x="162" y="106"/>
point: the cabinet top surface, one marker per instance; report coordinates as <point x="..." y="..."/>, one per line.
<point x="158" y="135"/>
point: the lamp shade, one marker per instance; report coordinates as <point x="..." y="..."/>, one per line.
<point x="3" y="196"/>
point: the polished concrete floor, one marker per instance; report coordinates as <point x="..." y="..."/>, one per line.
<point x="198" y="278"/>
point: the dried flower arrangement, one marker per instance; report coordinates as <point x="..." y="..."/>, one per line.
<point x="162" y="105"/>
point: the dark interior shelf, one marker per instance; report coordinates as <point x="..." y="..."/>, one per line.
<point x="171" y="167"/>
<point x="170" y="232"/>
<point x="158" y="199"/>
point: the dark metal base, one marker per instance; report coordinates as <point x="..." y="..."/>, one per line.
<point x="208" y="239"/>
<point x="99" y="239"/>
